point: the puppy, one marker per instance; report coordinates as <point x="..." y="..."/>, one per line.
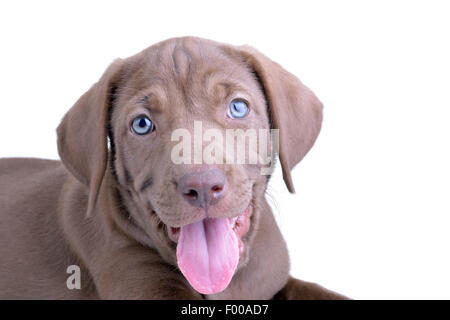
<point x="138" y="222"/>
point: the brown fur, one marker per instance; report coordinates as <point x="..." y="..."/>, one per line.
<point x="106" y="209"/>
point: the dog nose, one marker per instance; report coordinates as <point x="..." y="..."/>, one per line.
<point x="204" y="188"/>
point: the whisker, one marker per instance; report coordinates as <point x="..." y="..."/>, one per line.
<point x="271" y="199"/>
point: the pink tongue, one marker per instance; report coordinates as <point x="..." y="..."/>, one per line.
<point x="208" y="253"/>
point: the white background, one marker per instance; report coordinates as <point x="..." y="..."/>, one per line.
<point x="371" y="215"/>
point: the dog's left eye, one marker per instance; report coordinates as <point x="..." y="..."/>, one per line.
<point x="237" y="109"/>
<point x="142" y="125"/>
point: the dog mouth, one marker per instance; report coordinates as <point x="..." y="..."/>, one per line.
<point x="208" y="250"/>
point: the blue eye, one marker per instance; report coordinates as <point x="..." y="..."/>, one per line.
<point x="142" y="125"/>
<point x="237" y="109"/>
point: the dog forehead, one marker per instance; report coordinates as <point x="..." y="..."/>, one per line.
<point x="182" y="70"/>
<point x="184" y="60"/>
<point x="187" y="55"/>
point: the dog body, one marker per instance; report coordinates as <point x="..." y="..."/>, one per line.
<point x="128" y="216"/>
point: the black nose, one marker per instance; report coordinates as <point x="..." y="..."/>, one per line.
<point x="204" y="188"/>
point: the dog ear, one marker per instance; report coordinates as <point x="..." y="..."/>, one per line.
<point x="82" y="133"/>
<point x="293" y="108"/>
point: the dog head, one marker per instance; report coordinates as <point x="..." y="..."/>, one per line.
<point x="169" y="113"/>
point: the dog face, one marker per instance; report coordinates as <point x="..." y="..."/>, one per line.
<point x="203" y="214"/>
<point x="191" y="84"/>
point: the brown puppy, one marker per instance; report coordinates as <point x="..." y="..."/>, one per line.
<point x="139" y="225"/>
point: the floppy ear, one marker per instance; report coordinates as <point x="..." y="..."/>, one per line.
<point x="294" y="109"/>
<point x="82" y="134"/>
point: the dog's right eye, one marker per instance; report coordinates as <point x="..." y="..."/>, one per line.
<point x="142" y="125"/>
